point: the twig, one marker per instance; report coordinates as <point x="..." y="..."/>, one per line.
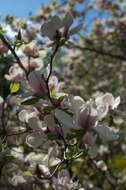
<point x="51" y="62"/>
<point x="3" y="117"/>
<point x="120" y="57"/>
<point x="5" y="41"/>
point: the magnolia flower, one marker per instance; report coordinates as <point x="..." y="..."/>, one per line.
<point x="101" y="165"/>
<point x="15" y="74"/>
<point x="31" y="63"/>
<point x="36" y="139"/>
<point x="86" y="117"/>
<point x="25" y="115"/>
<point x="85" y="114"/>
<point x="18" y="153"/>
<point x="17" y="179"/>
<point x="56" y="28"/>
<point x="37" y="82"/>
<point x="46" y="160"/>
<point x="106" y="103"/>
<point x="30" y="49"/>
<point x="63" y="181"/>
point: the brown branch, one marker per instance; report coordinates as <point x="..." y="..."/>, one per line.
<point x="120" y="57"/>
<point x="7" y="44"/>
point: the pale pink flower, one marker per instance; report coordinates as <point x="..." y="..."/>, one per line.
<point x="106" y="103"/>
<point x="15" y="74"/>
<point x="56" y="28"/>
<point x="38" y="83"/>
<point x="17" y="180"/>
<point x="86" y="117"/>
<point x="63" y="181"/>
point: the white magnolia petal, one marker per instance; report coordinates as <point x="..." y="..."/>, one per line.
<point x="35" y="140"/>
<point x="116" y="102"/>
<point x="50" y="27"/>
<point x="22" y="115"/>
<point x="25" y="115"/>
<point x="54" y="161"/>
<point x="76" y="102"/>
<point x="107" y="98"/>
<point x="34" y="158"/>
<point x="106" y="132"/>
<point x="45" y="170"/>
<point x="35" y="123"/>
<point x="16" y="180"/>
<point x="102" y="111"/>
<point x="65" y="119"/>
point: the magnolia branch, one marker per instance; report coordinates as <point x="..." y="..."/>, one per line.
<point x="7" y="44"/>
<point x="120" y="57"/>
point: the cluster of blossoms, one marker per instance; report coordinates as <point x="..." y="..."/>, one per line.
<point x="51" y="122"/>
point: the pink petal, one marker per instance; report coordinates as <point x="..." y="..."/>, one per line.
<point x="67" y="21"/>
<point x="37" y="82"/>
<point x="75" y="29"/>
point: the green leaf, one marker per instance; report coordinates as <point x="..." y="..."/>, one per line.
<point x="10" y="158"/>
<point x="75" y="152"/>
<point x="2" y="31"/>
<point x="47" y="109"/>
<point x="27" y="173"/>
<point x="14" y="87"/>
<point x="31" y="101"/>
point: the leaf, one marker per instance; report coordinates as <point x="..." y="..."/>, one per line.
<point x="118" y="162"/>
<point x="47" y="109"/>
<point x="14" y="87"/>
<point x="2" y="31"/>
<point x="106" y="132"/>
<point x="31" y="101"/>
<point x="27" y="173"/>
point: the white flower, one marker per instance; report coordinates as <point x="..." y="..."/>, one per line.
<point x="63" y="181"/>
<point x="101" y="165"/>
<point x="57" y="28"/>
<point x="17" y="152"/>
<point x="36" y="139"/>
<point x="17" y="180"/>
<point x="25" y="115"/>
<point x="105" y="103"/>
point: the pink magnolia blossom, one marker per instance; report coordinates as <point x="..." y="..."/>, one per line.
<point x="86" y="117"/>
<point x="63" y="181"/>
<point x="56" y="28"/>
<point x="15" y="74"/>
<point x="37" y="83"/>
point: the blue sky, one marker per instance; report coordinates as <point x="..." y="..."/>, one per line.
<point x="20" y="7"/>
<point x="23" y="7"/>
